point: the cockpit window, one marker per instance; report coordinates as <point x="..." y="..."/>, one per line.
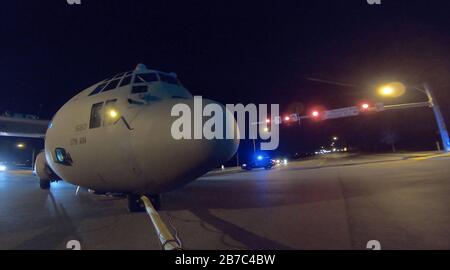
<point x="145" y="77"/>
<point x="125" y="81"/>
<point x="111" y="113"/>
<point x="97" y="89"/>
<point x="139" y="89"/>
<point x="140" y="81"/>
<point x="111" y="85"/>
<point x="96" y="115"/>
<point x="168" y="79"/>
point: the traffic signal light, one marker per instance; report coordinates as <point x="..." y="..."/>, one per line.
<point x="315" y="114"/>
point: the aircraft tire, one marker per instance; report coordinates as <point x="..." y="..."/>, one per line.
<point x="44" y="183"/>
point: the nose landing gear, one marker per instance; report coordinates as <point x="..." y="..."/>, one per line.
<point x="135" y="204"/>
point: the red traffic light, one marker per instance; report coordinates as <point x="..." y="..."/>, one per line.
<point x="365" y="107"/>
<point x="267" y="120"/>
<point x="315" y="114"/>
<point x="287" y="118"/>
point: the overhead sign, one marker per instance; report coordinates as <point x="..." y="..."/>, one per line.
<point x="342" y="112"/>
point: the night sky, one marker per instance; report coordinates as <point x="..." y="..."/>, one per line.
<point x="240" y="52"/>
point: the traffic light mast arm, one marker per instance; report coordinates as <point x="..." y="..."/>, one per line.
<point x="407" y="105"/>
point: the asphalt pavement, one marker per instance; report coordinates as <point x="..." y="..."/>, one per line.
<point x="336" y="201"/>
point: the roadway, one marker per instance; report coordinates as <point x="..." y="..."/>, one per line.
<point x="337" y="201"/>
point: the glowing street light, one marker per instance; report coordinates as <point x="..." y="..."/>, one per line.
<point x="20" y="145"/>
<point x="393" y="89"/>
<point x="335" y="138"/>
<point x="387" y="90"/>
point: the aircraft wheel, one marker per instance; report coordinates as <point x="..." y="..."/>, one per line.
<point x="44" y="183"/>
<point x="135" y="204"/>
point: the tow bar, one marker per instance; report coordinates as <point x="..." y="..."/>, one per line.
<point x="168" y="242"/>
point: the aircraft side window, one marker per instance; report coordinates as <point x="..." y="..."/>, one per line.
<point x="111" y="85"/>
<point x="168" y="79"/>
<point x="62" y="157"/>
<point x="96" y="115"/>
<point x="111" y="113"/>
<point x="97" y="89"/>
<point x="125" y="81"/>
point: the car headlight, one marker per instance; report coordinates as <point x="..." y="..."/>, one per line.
<point x="3" y="168"/>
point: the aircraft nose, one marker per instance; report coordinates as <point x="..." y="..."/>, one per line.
<point x="165" y="161"/>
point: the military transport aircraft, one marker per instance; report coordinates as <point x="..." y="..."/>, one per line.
<point x="115" y="136"/>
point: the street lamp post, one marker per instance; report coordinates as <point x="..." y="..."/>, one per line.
<point x="33" y="157"/>
<point x="390" y="90"/>
<point x="439" y="119"/>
